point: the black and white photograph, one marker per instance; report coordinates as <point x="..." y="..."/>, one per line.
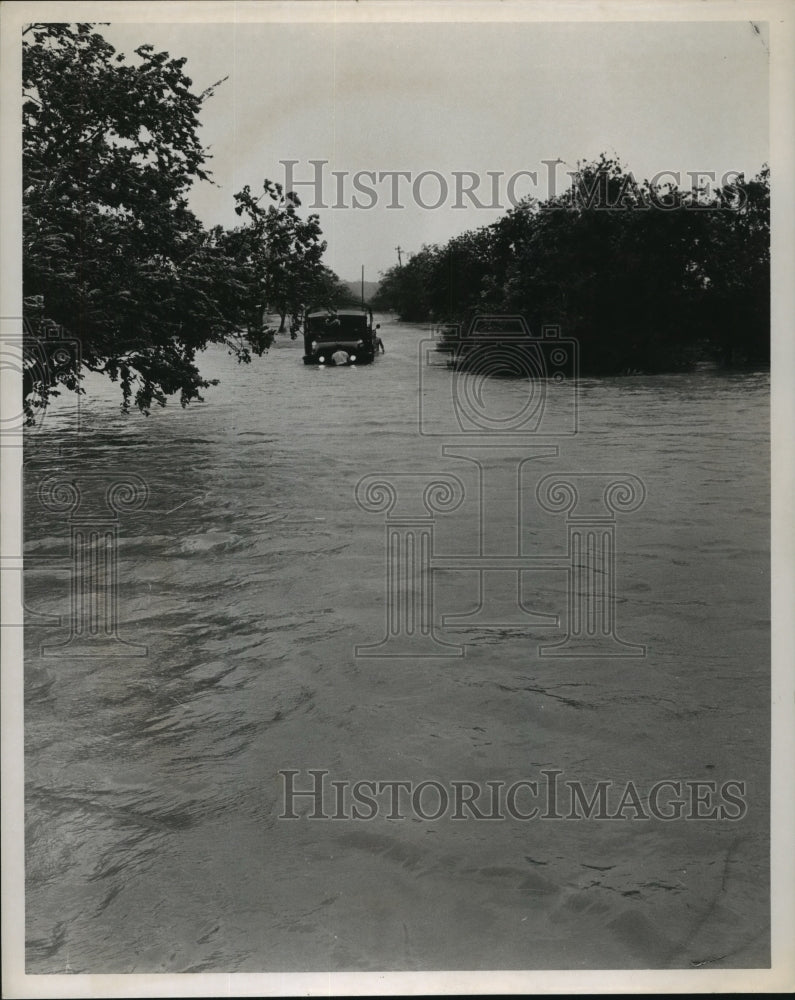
<point x="397" y="497"/>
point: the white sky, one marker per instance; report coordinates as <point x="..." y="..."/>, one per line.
<point x="445" y="97"/>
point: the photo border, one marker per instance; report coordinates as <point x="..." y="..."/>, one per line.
<point x="781" y="17"/>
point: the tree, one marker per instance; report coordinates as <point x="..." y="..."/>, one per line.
<point x="646" y="277"/>
<point x="734" y="265"/>
<point x="328" y="291"/>
<point x="407" y="289"/>
<point x="610" y="266"/>
<point x="112" y="254"/>
<point x="282" y="251"/>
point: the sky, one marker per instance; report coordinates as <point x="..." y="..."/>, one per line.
<point x="686" y="96"/>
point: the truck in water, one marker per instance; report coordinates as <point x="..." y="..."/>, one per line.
<point x="341" y="337"/>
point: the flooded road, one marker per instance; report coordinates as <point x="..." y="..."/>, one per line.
<point x="153" y="783"/>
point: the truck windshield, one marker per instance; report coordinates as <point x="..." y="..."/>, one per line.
<point x="338" y="327"/>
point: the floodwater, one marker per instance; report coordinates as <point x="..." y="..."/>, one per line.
<point x="153" y="783"/>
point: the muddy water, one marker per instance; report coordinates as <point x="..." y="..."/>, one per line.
<point x="154" y="841"/>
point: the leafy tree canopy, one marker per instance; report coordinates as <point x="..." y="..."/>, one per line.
<point x="112" y="254"/>
<point x="646" y="277"/>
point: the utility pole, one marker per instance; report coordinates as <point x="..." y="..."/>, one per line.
<point x="400" y="258"/>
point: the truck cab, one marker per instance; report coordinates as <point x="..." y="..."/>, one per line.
<point x="341" y="337"/>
